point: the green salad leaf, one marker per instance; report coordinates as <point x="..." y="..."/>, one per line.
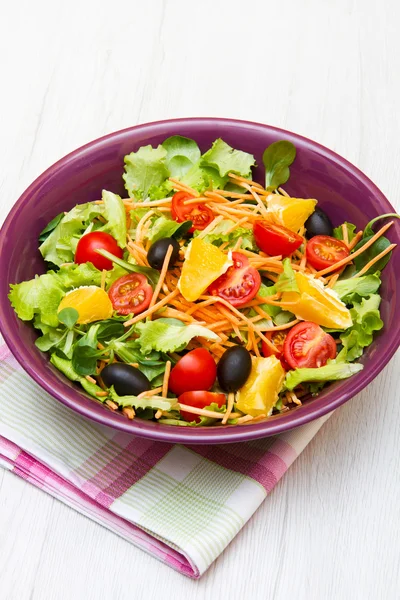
<point x="59" y="247"/>
<point x="164" y="227"/>
<point x="114" y="213"/>
<point x="377" y="247"/>
<point x="266" y="291"/>
<point x="145" y="169"/>
<point x="169" y="335"/>
<point x="277" y="159"/>
<point x="151" y="402"/>
<point x="50" y="226"/>
<point x="351" y="231"/>
<point x="42" y="295"/>
<point x="182" y="154"/>
<point x="68" y="316"/>
<point x="151" y="274"/>
<point x="330" y="372"/>
<point x="65" y="366"/>
<point x="202" y="178"/>
<point x="287" y="280"/>
<point x="366" y="320"/>
<point x="355" y="288"/>
<point x="152" y="365"/>
<point x="226" y="159"/>
<point x="218" y="235"/>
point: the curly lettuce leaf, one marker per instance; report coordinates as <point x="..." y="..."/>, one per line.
<point x="202" y="178"/>
<point x="145" y="169"/>
<point x="182" y="154"/>
<point x="355" y="288"/>
<point x="42" y="295"/>
<point x="114" y="213"/>
<point x="218" y="235"/>
<point x="287" y="280"/>
<point x="330" y="372"/>
<point x="226" y="159"/>
<point x="366" y="320"/>
<point x="164" y="227"/>
<point x="59" y="247"/>
<point x="169" y="335"/>
<point x="351" y="231"/>
<point x="151" y="402"/>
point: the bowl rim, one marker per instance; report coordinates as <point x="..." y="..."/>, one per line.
<point x="212" y="435"/>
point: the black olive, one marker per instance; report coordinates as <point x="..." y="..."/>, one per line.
<point x="158" y="250"/>
<point x="234" y="368"/>
<point x="127" y="380"/>
<point x="318" y="224"/>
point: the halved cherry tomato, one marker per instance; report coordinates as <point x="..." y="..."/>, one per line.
<point x="130" y="294"/>
<point x="199" y="399"/>
<point x="307" y="345"/>
<point x="97" y="240"/>
<point x="278" y="339"/>
<point x="199" y="214"/>
<point x="194" y="371"/>
<point x="274" y="239"/>
<point x="324" y="251"/>
<point x="239" y="284"/>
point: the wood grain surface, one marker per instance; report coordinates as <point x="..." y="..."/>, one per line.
<point x="73" y="71"/>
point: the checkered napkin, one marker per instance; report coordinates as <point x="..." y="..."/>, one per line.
<point x="182" y="504"/>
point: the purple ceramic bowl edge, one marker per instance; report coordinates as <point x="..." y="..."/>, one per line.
<point x="275" y="425"/>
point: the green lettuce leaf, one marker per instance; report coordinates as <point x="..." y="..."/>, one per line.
<point x="226" y="159"/>
<point x="59" y="247"/>
<point x="354" y="289"/>
<point x="42" y="295"/>
<point x="330" y="372"/>
<point x="169" y="335"/>
<point x="145" y="169"/>
<point x="217" y="236"/>
<point x="164" y="227"/>
<point x="151" y="274"/>
<point x="151" y="402"/>
<point x="351" y="231"/>
<point x="266" y="291"/>
<point x="202" y="178"/>
<point x="287" y="280"/>
<point x="151" y="365"/>
<point x="182" y="154"/>
<point x="114" y="213"/>
<point x="277" y="159"/>
<point x="366" y="320"/>
<point x="65" y="366"/>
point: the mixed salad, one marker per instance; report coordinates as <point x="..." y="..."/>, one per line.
<point x="205" y="298"/>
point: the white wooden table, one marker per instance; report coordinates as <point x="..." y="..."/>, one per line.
<point x="73" y="71"/>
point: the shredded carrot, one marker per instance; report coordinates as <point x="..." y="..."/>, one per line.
<point x="260" y="203"/>
<point x="91" y="379"/>
<point x="244" y="180"/>
<point x="102" y="394"/>
<point x="375" y="260"/>
<point x="142" y="221"/>
<point x="229" y="194"/>
<point x="151" y="310"/>
<point x="210" y="227"/>
<point x="129" y="412"/>
<point x="333" y="280"/>
<point x="345" y="234"/>
<point x="244" y="419"/>
<point x="162" y="276"/>
<point x="355" y="240"/>
<point x="282" y="191"/>
<point x="229" y="407"/>
<point x="199" y="200"/>
<point x="103" y="279"/>
<point x="204" y="412"/>
<point x="238" y="243"/>
<point x="348" y="259"/>
<point x="166" y="378"/>
<point x="239" y="223"/>
<point x="178" y="185"/>
<point x="149" y="393"/>
<point x="111" y="405"/>
<point x="158" y="414"/>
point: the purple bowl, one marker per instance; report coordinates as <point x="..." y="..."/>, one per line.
<point x="342" y="190"/>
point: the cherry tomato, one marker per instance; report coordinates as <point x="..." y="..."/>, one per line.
<point x="97" y="240"/>
<point x="199" y="214"/>
<point x="194" y="371"/>
<point x="130" y="294"/>
<point x="239" y="284"/>
<point x="324" y="251"/>
<point x="275" y="239"/>
<point x="278" y="339"/>
<point x="199" y="399"/>
<point x="307" y="345"/>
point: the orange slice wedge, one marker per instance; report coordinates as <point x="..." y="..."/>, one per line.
<point x="91" y="302"/>
<point x="204" y="263"/>
<point x="290" y="212"/>
<point x="316" y="303"/>
<point x="260" y="392"/>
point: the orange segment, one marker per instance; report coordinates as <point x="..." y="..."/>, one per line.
<point x="260" y="392"/>
<point x="290" y="212"/>
<point x="204" y="263"/>
<point x="316" y="303"/>
<point x="91" y="302"/>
